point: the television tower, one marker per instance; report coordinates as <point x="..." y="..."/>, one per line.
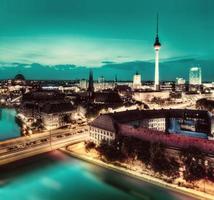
<point x="157" y="46"/>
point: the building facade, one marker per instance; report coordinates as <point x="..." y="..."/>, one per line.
<point x="137" y="81"/>
<point x="180" y="81"/>
<point x="98" y="135"/>
<point x="102" y="129"/>
<point x="195" y="77"/>
<point x="46" y="110"/>
<point x="83" y="84"/>
<point x="192" y="123"/>
<point x="158" y="124"/>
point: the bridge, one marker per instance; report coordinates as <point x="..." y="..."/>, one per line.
<point x="26" y="146"/>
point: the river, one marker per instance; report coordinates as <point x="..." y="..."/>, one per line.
<point x="8" y="127"/>
<point x="56" y="176"/>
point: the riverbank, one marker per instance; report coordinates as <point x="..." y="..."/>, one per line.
<point x="77" y="151"/>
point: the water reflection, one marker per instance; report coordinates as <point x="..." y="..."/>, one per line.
<point x="56" y="176"/>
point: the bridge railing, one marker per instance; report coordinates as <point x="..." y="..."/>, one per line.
<point x="30" y="143"/>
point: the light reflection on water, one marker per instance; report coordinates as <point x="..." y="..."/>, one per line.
<point x="56" y="176"/>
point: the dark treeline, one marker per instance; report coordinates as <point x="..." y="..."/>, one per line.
<point x="205" y="104"/>
<point x="155" y="157"/>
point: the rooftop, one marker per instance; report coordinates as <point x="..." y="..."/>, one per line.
<point x="107" y="97"/>
<point x="110" y="121"/>
<point x="194" y="69"/>
<point x="132" y="115"/>
<point x="43" y="96"/>
<point x="57" y="108"/>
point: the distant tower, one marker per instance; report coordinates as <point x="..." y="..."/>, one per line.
<point x="101" y="83"/>
<point x="157" y="46"/>
<point x="137" y="81"/>
<point x="195" y="76"/>
<point x="115" y="80"/>
<point x="90" y="84"/>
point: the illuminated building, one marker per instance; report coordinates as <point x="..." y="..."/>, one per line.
<point x="180" y="81"/>
<point x="50" y="109"/>
<point x="183" y="122"/>
<point x="19" y="80"/>
<point x="101" y="83"/>
<point x="195" y="76"/>
<point x="137" y="81"/>
<point x="83" y="84"/>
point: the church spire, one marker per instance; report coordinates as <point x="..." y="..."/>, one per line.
<point x="91" y="84"/>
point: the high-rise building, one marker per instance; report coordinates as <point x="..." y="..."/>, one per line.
<point x="137" y="81"/>
<point x="195" y="76"/>
<point x="157" y="46"/>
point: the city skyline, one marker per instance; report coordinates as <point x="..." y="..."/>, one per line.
<point x="106" y="99"/>
<point x="87" y="35"/>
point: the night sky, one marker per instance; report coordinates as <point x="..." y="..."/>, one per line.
<point x="93" y="33"/>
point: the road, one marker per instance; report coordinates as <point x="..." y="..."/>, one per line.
<point x="19" y="148"/>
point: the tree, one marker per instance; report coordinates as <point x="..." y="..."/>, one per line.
<point x="89" y="145"/>
<point x="157" y="161"/>
<point x="144" y="153"/>
<point x="210" y="172"/>
<point x="129" y="148"/>
<point x="161" y="163"/>
<point x="111" y="151"/>
<point x="194" y="162"/>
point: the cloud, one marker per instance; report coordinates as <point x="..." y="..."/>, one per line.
<point x="81" y="51"/>
<point x="108" y="62"/>
<point x="124" y="70"/>
<point x="3" y="65"/>
<point x="27" y="66"/>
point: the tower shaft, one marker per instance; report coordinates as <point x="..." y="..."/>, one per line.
<point x="157" y="84"/>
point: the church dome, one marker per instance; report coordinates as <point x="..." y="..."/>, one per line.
<point x="19" y="77"/>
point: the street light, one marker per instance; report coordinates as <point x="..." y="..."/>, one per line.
<point x="205" y="178"/>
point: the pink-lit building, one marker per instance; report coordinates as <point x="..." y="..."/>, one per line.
<point x="180" y="122"/>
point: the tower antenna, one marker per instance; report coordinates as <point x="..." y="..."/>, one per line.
<point x="157" y="23"/>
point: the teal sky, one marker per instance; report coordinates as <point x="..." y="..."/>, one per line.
<point x="90" y="32"/>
